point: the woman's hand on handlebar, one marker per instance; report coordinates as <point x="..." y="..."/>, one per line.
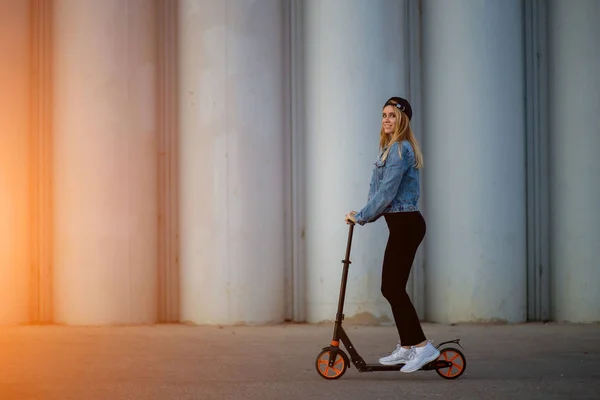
<point x="349" y="218"/>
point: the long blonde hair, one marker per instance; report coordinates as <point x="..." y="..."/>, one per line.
<point x="402" y="131"/>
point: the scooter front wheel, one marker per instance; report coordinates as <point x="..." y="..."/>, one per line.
<point x="339" y="365"/>
<point x="456" y="358"/>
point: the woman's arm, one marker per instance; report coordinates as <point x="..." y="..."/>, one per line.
<point x="393" y="171"/>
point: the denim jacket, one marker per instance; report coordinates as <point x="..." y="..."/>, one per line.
<point x="394" y="185"/>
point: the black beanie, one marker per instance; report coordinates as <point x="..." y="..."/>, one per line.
<point x="401" y="104"/>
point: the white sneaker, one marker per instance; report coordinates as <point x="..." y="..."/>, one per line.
<point x="420" y="356"/>
<point x="399" y="356"/>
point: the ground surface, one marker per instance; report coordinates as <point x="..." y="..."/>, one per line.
<point x="532" y="361"/>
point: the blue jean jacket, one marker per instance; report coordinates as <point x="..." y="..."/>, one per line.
<point x="394" y="185"/>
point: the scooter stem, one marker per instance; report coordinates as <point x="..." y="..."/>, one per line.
<point x="349" y="244"/>
<point x="346" y="261"/>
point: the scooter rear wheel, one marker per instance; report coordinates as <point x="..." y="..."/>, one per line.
<point x="458" y="360"/>
<point x="339" y="366"/>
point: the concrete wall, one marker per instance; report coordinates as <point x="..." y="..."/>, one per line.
<point x="574" y="118"/>
<point x="231" y="167"/>
<point x="276" y="127"/>
<point x="105" y="162"/>
<point x="474" y="145"/>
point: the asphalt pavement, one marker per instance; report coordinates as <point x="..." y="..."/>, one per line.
<point x="177" y="362"/>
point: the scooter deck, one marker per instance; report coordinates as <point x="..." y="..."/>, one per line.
<point x="380" y="367"/>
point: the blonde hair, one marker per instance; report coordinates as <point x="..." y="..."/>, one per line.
<point x="402" y="131"/>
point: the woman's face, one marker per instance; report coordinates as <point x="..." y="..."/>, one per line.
<point x="388" y="120"/>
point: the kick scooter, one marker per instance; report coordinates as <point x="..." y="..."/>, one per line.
<point x="332" y="362"/>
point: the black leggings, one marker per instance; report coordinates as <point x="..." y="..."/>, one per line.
<point x="407" y="230"/>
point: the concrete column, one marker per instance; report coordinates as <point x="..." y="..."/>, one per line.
<point x="14" y="161"/>
<point x="168" y="231"/>
<point x="574" y="110"/>
<point x="355" y="58"/>
<point x="105" y="162"/>
<point x="232" y="184"/>
<point x="474" y="154"/>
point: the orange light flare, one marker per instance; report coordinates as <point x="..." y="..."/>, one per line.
<point x="15" y="161"/>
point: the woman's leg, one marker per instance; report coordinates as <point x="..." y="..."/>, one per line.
<point x="407" y="231"/>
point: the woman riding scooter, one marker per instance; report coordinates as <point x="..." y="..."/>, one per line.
<point x="394" y="191"/>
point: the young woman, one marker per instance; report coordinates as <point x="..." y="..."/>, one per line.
<point x="393" y="193"/>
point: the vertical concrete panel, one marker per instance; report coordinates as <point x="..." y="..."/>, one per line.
<point x="474" y="147"/>
<point x="231" y="164"/>
<point x="355" y="59"/>
<point x="105" y="162"/>
<point x="14" y="161"/>
<point x="574" y="86"/>
<point x="168" y="191"/>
